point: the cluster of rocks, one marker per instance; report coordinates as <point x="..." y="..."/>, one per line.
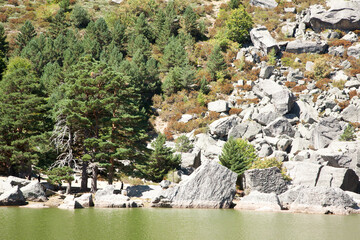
<point x="17" y="191"/>
<point x="303" y="129"/>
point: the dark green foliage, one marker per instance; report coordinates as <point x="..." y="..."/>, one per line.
<point x="79" y="17"/>
<point x="178" y="78"/>
<point x="348" y="134"/>
<point x="64" y="5"/>
<point x="238" y="25"/>
<point x="189" y="21"/>
<point x="161" y="160"/>
<point x="139" y="43"/>
<point x="98" y="31"/>
<point x="237" y="155"/>
<point x="4" y="45"/>
<point x="27" y="32"/>
<point x="174" y="55"/>
<point x="183" y="144"/>
<point x="57" y="175"/>
<point x="58" y="24"/>
<point x="143" y="28"/>
<point x="204" y="88"/>
<point x="233" y="4"/>
<point x="216" y="62"/>
<point x="103" y="109"/>
<point x="118" y="34"/>
<point x="23" y="118"/>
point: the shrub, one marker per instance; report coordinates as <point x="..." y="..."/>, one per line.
<point x="272" y="57"/>
<point x="348" y="134"/>
<point x="3" y="17"/>
<point x="233" y="4"/>
<point x="268" y="163"/>
<point x="238" y="25"/>
<point x="235" y="111"/>
<point x="321" y="69"/>
<point x="238" y="155"/>
<point x="340" y="84"/>
<point x="80" y="17"/>
<point x="183" y="144"/>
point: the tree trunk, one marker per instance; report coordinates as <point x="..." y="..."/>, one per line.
<point x="68" y="188"/>
<point x="111" y="172"/>
<point x="94" y="179"/>
<point x="84" y="176"/>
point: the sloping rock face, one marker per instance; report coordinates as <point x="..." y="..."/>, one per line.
<point x="85" y="200"/>
<point x="311" y="175"/>
<point x="300" y="46"/>
<point x="279" y="126"/>
<point x="34" y="192"/>
<point x="265" y="180"/>
<point x="218" y="106"/>
<point x="326" y="131"/>
<point x="280" y="97"/>
<point x="210" y="186"/>
<point x="260" y="202"/>
<point x="351" y="113"/>
<point x="15" y="181"/>
<point x="246" y="130"/>
<point x="221" y="127"/>
<point x="12" y="197"/>
<point x="346" y="18"/>
<point x="264" y="3"/>
<point x="323" y="200"/>
<point x="262" y="39"/>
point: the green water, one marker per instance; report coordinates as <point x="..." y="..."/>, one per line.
<point x="143" y="224"/>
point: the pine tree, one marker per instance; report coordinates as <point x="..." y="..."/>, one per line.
<point x="142" y="27"/>
<point x="27" y="32"/>
<point x="161" y="160"/>
<point x="139" y="43"/>
<point x="178" y="78"/>
<point x="23" y="118"/>
<point x="174" y="55"/>
<point x="99" y="32"/>
<point x="118" y="34"/>
<point x="4" y="45"/>
<point x="57" y="175"/>
<point x="58" y="24"/>
<point x="237" y="155"/>
<point x="238" y="25"/>
<point x="216" y="62"/>
<point x="188" y="21"/>
<point x="80" y="17"/>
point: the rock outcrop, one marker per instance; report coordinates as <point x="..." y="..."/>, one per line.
<point x="264" y="3"/>
<point x="326" y="131"/>
<point x="221" y="127"/>
<point x="106" y="198"/>
<point x="260" y="202"/>
<point x="262" y="39"/>
<point x="34" y="192"/>
<point x="12" y="197"/>
<point x="210" y="186"/>
<point x="300" y="46"/>
<point x="265" y="180"/>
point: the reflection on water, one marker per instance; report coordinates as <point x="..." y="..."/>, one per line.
<point x="143" y="224"/>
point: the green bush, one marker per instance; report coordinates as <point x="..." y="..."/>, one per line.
<point x="238" y="25"/>
<point x="238" y="155"/>
<point x="321" y="69"/>
<point x="183" y="144"/>
<point x="268" y="163"/>
<point x="80" y="17"/>
<point x="348" y="134"/>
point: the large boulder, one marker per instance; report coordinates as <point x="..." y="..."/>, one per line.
<point x="301" y="46"/>
<point x="246" y="130"/>
<point x="209" y="186"/>
<point x="351" y="113"/>
<point x="326" y="131"/>
<point x="261" y="38"/>
<point x="85" y="200"/>
<point x="312" y="174"/>
<point x="280" y="96"/>
<point x="344" y="17"/>
<point x="15" y="181"/>
<point x="34" y="192"/>
<point x="280" y="126"/>
<point x="260" y="202"/>
<point x="220" y="128"/>
<point x="264" y="3"/>
<point x="265" y="180"/>
<point x="192" y="159"/>
<point x="323" y="200"/>
<point x="12" y="197"/>
<point x="354" y="51"/>
<point x="106" y="198"/>
<point x="305" y="112"/>
<point x="210" y="148"/>
<point x="70" y="203"/>
<point x="218" y="106"/>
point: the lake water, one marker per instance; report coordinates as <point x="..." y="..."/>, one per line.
<point x="171" y="224"/>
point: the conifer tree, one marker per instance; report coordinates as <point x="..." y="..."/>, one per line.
<point x="161" y="160"/>
<point x="174" y="55"/>
<point x="139" y="43"/>
<point x="188" y="21"/>
<point x="23" y="118"/>
<point x="142" y="27"/>
<point x="216" y="61"/>
<point x="4" y="45"/>
<point x="237" y="155"/>
<point x="118" y="35"/>
<point x="58" y="24"/>
<point x="27" y="32"/>
<point x="80" y="17"/>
